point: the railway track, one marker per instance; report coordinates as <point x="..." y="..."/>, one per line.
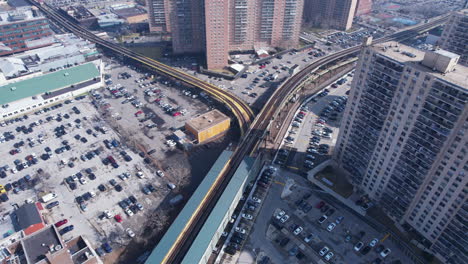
<point x="239" y="108"/>
<point x="255" y="133"/>
<point x="243" y="113"/>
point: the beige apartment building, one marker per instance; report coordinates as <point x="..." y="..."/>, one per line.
<point x="337" y="14"/>
<point x="218" y="27"/>
<point x="403" y="141"/>
<point x="455" y="35"/>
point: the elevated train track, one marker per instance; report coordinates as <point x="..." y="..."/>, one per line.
<point x="252" y="135"/>
<point x="257" y="130"/>
<point x="239" y="108"/>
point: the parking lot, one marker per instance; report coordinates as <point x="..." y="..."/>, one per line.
<point x="260" y="81"/>
<point x="312" y="135"/>
<point x="297" y="222"/>
<point x="100" y="167"/>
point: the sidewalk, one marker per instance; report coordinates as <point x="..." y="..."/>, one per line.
<point x="348" y="202"/>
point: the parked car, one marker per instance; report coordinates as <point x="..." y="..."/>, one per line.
<point x="61" y="223"/>
<point x="247" y="216"/>
<point x="358" y="246"/>
<point x="385" y="253"/>
<point x="129" y="232"/>
<point x="323" y="251"/>
<point x="374" y="242"/>
<point x="298" y="230"/>
<point x="322" y="219"/>
<point x="366" y="250"/>
<point x="329" y="256"/>
<point x="52" y="205"/>
<point x="66" y="229"/>
<point x="331" y="227"/>
<point x="118" y="218"/>
<point x="107" y="247"/>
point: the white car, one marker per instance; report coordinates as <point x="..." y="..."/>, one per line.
<point x="160" y="173"/>
<point x="284" y="219"/>
<point x="83" y="181"/>
<point x="240" y="230"/>
<point x="257" y="200"/>
<point x="108" y="214"/>
<point x="358" y="246"/>
<point x="247" y="216"/>
<point x="130" y="233"/>
<point x="280" y="214"/>
<point x="140" y="175"/>
<point x="298" y="230"/>
<point x="329" y="256"/>
<point x="308" y="238"/>
<point x="331" y="227"/>
<point x="128" y="212"/>
<point x="323" y="251"/>
<point x="385" y="253"/>
<point x="373" y="242"/>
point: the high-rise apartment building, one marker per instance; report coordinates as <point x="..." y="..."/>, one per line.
<point x="217" y="27"/>
<point x="158" y="15"/>
<point x="23" y="29"/>
<point x="455" y="35"/>
<point x="403" y="141"/>
<point x="363" y="7"/>
<point x="338" y="14"/>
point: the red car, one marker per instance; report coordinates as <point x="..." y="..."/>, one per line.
<point x="176" y="114"/>
<point x="320" y="205"/>
<point x="138" y="113"/>
<point x="61" y="223"/>
<point x="118" y="218"/>
<point x="302" y="113"/>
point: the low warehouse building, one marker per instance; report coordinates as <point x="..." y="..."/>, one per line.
<point x="28" y="95"/>
<point x="208" y="125"/>
<point x="28" y="219"/>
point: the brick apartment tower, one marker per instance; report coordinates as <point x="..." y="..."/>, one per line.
<point x="337" y="14"/>
<point x="364" y="7"/>
<point x="455" y="35"/>
<point x="217" y="27"/>
<point x="403" y="141"/>
<point x="159" y="15"/>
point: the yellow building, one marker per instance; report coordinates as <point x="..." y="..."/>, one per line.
<point x="208" y="125"/>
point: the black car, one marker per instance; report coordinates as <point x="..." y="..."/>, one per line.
<point x="52" y="205"/>
<point x="113" y="182"/>
<point x="151" y="188"/>
<point x="118" y="188"/>
<point x="236" y="240"/>
<point x="79" y="199"/>
<point x="73" y="186"/>
<point x="366" y="250"/>
<point x="66" y="229"/>
<point x="325" y="208"/>
<point x="102" y="188"/>
<point x="230" y="250"/>
<point x="133" y="199"/>
<point x="4" y="197"/>
<point x="379" y="248"/>
<point x="330" y="212"/>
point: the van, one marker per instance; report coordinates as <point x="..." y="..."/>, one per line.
<point x="48" y="197"/>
